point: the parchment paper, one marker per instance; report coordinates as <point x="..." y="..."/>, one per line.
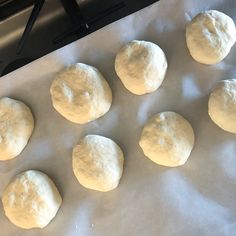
<point x="195" y="199"/>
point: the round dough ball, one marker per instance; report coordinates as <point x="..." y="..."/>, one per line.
<point x="210" y="36"/>
<point x="98" y="163"/>
<point x="141" y="66"/>
<point x="222" y="105"/>
<point x="16" y="127"/>
<point x="81" y="94"/>
<point x="31" y="200"/>
<point x="167" y="139"/>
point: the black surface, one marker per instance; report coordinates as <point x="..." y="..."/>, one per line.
<point x="91" y="16"/>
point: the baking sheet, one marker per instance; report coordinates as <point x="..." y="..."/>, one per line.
<point x="195" y="199"/>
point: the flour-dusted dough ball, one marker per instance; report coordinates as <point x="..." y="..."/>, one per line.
<point x="81" y="94"/>
<point x="222" y="105"/>
<point x="31" y="200"/>
<point x="141" y="66"/>
<point x="210" y="36"/>
<point x="167" y="139"/>
<point x="16" y="127"/>
<point x="98" y="163"/>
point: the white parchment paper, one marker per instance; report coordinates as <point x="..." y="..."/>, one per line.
<point x="198" y="198"/>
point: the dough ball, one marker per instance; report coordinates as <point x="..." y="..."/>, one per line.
<point x="16" y="127"/>
<point x="167" y="139"/>
<point x="31" y="200"/>
<point x="98" y="163"/>
<point x="141" y="66"/>
<point x="222" y="105"/>
<point x="210" y="36"/>
<point x="81" y="94"/>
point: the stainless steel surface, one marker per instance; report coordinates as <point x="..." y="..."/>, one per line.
<point x="52" y="18"/>
<point x="52" y="22"/>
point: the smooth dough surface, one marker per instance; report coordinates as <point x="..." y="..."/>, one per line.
<point x="141" y="66"/>
<point x="98" y="163"/>
<point x="167" y="139"/>
<point x="222" y="105"/>
<point x="16" y="127"/>
<point x="31" y="200"/>
<point x="81" y="94"/>
<point x="210" y="36"/>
